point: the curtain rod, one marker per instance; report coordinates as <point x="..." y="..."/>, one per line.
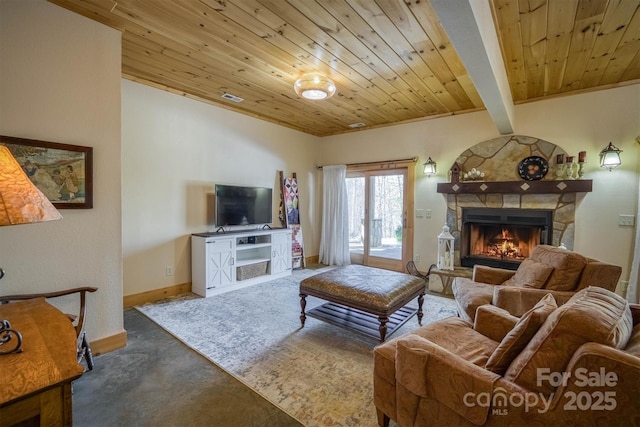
<point x="383" y="162"/>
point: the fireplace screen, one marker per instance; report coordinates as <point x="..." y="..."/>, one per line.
<point x="503" y="242"/>
<point x="502" y="237"/>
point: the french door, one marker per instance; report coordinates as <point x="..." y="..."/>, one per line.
<point x="380" y="227"/>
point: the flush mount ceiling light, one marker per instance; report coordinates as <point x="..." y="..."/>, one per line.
<point x="314" y="86"/>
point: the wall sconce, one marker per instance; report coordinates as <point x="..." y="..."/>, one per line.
<point x="610" y="157"/>
<point x="314" y="86"/>
<point x="430" y="167"/>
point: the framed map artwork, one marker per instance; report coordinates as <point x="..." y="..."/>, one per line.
<point x="63" y="172"/>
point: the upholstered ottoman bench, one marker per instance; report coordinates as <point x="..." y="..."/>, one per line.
<point x="367" y="289"/>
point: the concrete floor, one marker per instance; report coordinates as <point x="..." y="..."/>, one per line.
<point x="158" y="381"/>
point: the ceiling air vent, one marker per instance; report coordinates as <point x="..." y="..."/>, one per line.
<point x="232" y="97"/>
<point x="356" y="125"/>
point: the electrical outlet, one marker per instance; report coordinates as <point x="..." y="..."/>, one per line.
<point x="626" y="220"/>
<point x="169" y="270"/>
<point x="419" y="213"/>
<point x="427" y="213"/>
<point x="416" y="257"/>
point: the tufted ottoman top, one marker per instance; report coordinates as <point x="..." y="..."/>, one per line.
<point x="371" y="289"/>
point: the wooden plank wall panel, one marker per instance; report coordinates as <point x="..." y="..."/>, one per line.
<point x="621" y="68"/>
<point x="358" y="82"/>
<point x="587" y="25"/>
<point x="376" y="18"/>
<point x="374" y="53"/>
<point x="440" y="78"/>
<point x="559" y="29"/>
<point x="533" y="26"/>
<point x="323" y="30"/>
<point x="277" y="32"/>
<point x="507" y="16"/>
<point x="391" y="60"/>
<point x="614" y="25"/>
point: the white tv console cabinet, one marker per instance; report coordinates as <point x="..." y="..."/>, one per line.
<point x="221" y="262"/>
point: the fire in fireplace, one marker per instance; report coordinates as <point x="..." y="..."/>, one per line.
<point x="502" y="237"/>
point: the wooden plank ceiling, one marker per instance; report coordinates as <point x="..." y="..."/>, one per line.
<point x="391" y="60"/>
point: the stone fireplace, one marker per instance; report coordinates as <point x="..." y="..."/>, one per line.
<point x="548" y="205"/>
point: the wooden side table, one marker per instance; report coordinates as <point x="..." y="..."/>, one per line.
<point x="36" y="384"/>
<point x="447" y="276"/>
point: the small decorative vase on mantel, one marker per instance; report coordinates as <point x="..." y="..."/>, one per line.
<point x="560" y="167"/>
<point x="582" y="159"/>
<point x="571" y="170"/>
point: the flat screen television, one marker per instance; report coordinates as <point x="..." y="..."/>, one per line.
<point x="236" y="205"/>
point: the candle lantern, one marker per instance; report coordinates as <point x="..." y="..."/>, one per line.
<point x="445" y="250"/>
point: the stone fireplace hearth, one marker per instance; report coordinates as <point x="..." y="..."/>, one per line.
<point x="503" y="188"/>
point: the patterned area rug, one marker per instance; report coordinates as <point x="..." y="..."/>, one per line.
<point x="322" y="374"/>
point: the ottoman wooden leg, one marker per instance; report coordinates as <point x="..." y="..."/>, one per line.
<point x="420" y="302"/>
<point x="383" y="327"/>
<point x="383" y="419"/>
<point x="303" y="305"/>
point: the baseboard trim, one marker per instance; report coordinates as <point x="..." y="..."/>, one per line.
<point x="105" y="345"/>
<point x="155" y="295"/>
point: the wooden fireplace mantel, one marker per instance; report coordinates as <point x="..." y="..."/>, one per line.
<point x="516" y="187"/>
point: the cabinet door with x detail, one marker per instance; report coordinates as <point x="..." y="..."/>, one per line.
<point x="220" y="263"/>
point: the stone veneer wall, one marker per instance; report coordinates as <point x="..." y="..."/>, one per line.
<point x="498" y="159"/>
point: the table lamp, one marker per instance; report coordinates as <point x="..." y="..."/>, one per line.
<point x="20" y="203"/>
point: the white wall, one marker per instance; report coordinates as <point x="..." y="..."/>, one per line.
<point x="60" y="82"/>
<point x="174" y="150"/>
<point x="576" y="123"/>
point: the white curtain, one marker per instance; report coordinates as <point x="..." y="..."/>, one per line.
<point x="634" y="280"/>
<point x="334" y="241"/>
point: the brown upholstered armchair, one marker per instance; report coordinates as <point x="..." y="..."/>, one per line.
<point x="578" y="364"/>
<point x="549" y="269"/>
<point x="83" y="348"/>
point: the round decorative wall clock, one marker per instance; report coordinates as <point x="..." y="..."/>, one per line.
<point x="533" y="168"/>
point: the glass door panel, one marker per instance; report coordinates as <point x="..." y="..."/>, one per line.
<point x="387" y="222"/>
<point x="377" y="221"/>
<point x="356" y="196"/>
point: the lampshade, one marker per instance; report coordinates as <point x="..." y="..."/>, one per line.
<point x="430" y="167"/>
<point x="20" y="201"/>
<point x="314" y="86"/>
<point x="610" y="157"/>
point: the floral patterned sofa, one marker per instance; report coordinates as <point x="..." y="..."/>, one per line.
<point x="578" y="364"/>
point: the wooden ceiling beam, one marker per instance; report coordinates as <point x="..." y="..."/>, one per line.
<point x="473" y="34"/>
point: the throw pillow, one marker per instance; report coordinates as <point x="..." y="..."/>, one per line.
<point x="518" y="338"/>
<point x="530" y="274"/>
<point x="567" y="266"/>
